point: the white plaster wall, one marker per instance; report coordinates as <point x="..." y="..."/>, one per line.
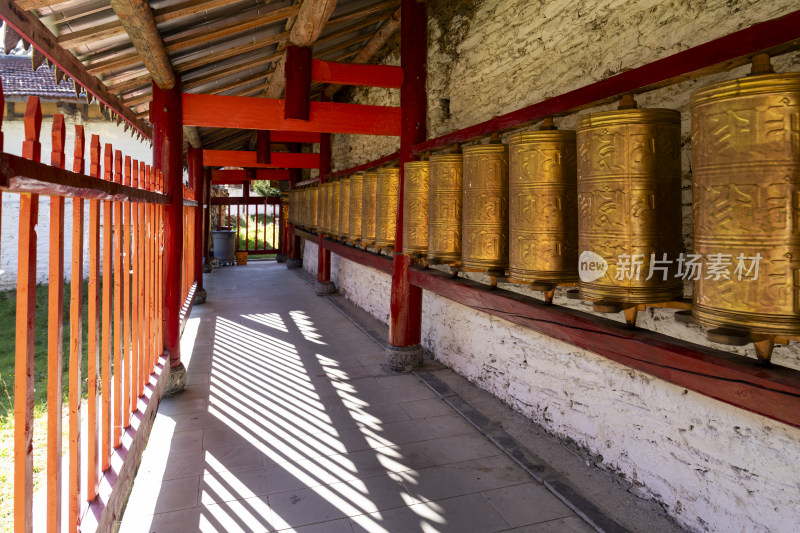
<point x="714" y="467"/>
<point x="311" y="258"/>
<point x="13" y="136"/>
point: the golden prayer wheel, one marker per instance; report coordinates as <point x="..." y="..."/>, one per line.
<point x="356" y="183"/>
<point x="328" y="208"/>
<point x="543" y="207"/>
<point x="484" y="242"/>
<point x="415" y="207"/>
<point x="313" y="215"/>
<point x="304" y="208"/>
<point x="629" y="203"/>
<point x="444" y="208"/>
<point x="344" y="208"/>
<point x="746" y="185"/>
<point x="369" y="191"/>
<point x="386" y="206"/>
<point x="322" y="204"/>
<point x="334" y="203"/>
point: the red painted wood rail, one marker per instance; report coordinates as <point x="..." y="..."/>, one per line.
<point x="773" y="392"/>
<point x="774" y="36"/>
<point x="249" y="159"/>
<point x="241" y="112"/>
<point x="359" y="75"/>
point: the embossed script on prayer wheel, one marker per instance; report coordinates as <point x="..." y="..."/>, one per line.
<point x="335" y="209"/>
<point x="629" y="203"/>
<point x="484" y="217"/>
<point x="313" y="220"/>
<point x="356" y="183"/>
<point x="543" y="207"/>
<point x="344" y="208"/>
<point x="444" y="208"/>
<point x="322" y="205"/>
<point x="746" y="173"/>
<point x="415" y="207"/>
<point x="369" y="192"/>
<point x="386" y="206"/>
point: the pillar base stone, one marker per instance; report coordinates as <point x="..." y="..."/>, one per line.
<point x="207" y="268"/>
<point x="280" y="258"/>
<point x="291" y="264"/>
<point x="325" y="287"/>
<point x="200" y="296"/>
<point x="176" y="382"/>
<point x="404" y="358"/>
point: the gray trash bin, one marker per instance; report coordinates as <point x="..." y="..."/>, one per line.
<point x="224" y="246"/>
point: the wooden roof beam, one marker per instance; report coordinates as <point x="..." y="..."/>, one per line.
<point x="373" y="46"/>
<point x="137" y="19"/>
<point x="114" y="28"/>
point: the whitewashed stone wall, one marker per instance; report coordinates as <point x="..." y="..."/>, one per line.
<point x="714" y="467"/>
<point x="13" y="136"/>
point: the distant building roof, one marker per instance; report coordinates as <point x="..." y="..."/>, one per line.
<point x="20" y="80"/>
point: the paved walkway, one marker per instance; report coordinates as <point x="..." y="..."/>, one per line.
<point x="291" y="423"/>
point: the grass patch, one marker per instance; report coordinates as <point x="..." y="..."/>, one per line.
<point x="250" y="227"/>
<point x="8" y="312"/>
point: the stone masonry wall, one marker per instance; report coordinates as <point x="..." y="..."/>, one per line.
<point x="712" y="466"/>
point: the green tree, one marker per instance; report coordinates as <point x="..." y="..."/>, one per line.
<point x="265" y="188"/>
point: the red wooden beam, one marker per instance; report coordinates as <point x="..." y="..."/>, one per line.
<point x="263" y="147"/>
<point x="22" y="175"/>
<point x="294" y="137"/>
<point x="241" y="112"/>
<point x="219" y="177"/>
<point x="372" y="260"/>
<point x="243" y="158"/>
<point x="298" y="82"/>
<point x="774" y="36"/>
<point x="355" y="74"/>
<point x="773" y="392"/>
<point x="366" y="166"/>
<point x="241" y="200"/>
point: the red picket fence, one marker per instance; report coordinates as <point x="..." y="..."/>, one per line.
<point x="126" y="216"/>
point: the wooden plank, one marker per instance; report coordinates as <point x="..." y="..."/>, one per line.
<point x="76" y="344"/>
<point x="139" y="231"/>
<point x="93" y="329"/>
<point x="298" y="82"/>
<point x="353" y="74"/>
<point x="294" y="137"/>
<point x="242" y="158"/>
<point x="20" y="175"/>
<point x="366" y="166"/>
<point x="126" y="301"/>
<point x="55" y="335"/>
<point x="263" y="147"/>
<point x="774" y="36"/>
<point x="773" y="392"/>
<point x="241" y="200"/>
<point x="379" y="262"/>
<point x="220" y="177"/>
<point x="25" y="331"/>
<point x="240" y="112"/>
<point x="34" y="31"/>
<point x="119" y="287"/>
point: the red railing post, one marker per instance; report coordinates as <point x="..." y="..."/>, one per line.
<point x="93" y="327"/>
<point x="76" y="344"/>
<point x="127" y="345"/>
<point x="25" y="331"/>
<point x="105" y="352"/>
<point x="404" y="351"/>
<point x="55" y="335"/>
<point x="324" y="283"/>
<point x="166" y="116"/>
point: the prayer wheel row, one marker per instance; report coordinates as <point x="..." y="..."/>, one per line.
<point x="602" y="206"/>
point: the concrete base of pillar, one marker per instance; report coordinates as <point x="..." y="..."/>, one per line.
<point x="177" y="381"/>
<point x="294" y="263"/>
<point x="280" y="258"/>
<point x="200" y="296"/>
<point x="207" y="268"/>
<point x="325" y="287"/>
<point x="404" y="358"/>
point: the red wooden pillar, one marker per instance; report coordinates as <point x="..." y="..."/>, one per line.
<point x="404" y="351"/>
<point x="197" y="181"/>
<point x="207" y="216"/>
<point x="324" y="283"/>
<point x="293" y="241"/>
<point x="166" y="116"/>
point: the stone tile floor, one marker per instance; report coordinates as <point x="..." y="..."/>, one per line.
<point x="290" y="422"/>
